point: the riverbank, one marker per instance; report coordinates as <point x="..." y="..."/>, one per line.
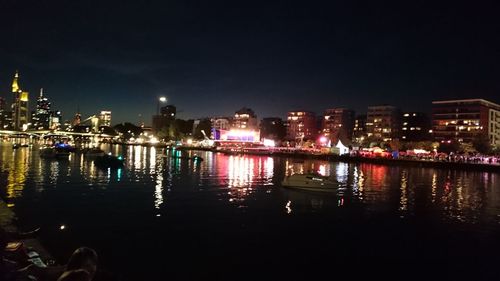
<point x="351" y="159"/>
<point x="7" y="222"/>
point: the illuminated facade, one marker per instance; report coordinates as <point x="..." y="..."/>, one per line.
<point x="19" y="106"/>
<point x="239" y="135"/>
<point x="464" y="120"/>
<point x="245" y="118"/>
<point x="338" y="124"/>
<point x="359" y="130"/>
<point x="105" y="118"/>
<point x="220" y="123"/>
<point x="4" y="120"/>
<point x="415" y="126"/>
<point x="301" y="125"/>
<point x="383" y="122"/>
<point x="55" y="120"/>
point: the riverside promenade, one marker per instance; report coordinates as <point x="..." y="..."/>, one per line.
<point x="480" y="167"/>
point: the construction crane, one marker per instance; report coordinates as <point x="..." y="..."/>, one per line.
<point x="206" y="142"/>
<point x="204" y="135"/>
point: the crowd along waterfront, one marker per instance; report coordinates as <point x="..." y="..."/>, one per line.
<point x="228" y="217"/>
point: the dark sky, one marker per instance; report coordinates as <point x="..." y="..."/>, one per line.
<point x="213" y="57"/>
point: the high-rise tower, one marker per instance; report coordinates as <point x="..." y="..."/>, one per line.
<point x="41" y="116"/>
<point x="19" y="105"/>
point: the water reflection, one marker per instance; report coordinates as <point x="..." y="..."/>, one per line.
<point x="466" y="197"/>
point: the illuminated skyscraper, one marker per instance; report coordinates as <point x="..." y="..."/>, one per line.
<point x="41" y="116"/>
<point x="19" y="105"/>
<point x="105" y="118"/>
<point x="3" y="124"/>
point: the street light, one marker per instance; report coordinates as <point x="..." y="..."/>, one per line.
<point x="160" y="100"/>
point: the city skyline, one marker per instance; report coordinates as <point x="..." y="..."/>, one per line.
<point x="213" y="58"/>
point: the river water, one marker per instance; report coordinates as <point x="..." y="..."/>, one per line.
<point x="228" y="218"/>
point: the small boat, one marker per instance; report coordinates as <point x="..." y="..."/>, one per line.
<point x="109" y="161"/>
<point x="197" y="158"/>
<point x="15" y="146"/>
<point x="313" y="182"/>
<point x="52" y="152"/>
<point x="194" y="158"/>
<point x="94" y="152"/>
<point x="48" y="152"/>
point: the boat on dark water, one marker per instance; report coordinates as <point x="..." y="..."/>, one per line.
<point x="94" y="152"/>
<point x="52" y="152"/>
<point x="310" y="182"/>
<point x="194" y="158"/>
<point x="109" y="161"/>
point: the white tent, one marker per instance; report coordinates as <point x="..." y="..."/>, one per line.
<point x="342" y="148"/>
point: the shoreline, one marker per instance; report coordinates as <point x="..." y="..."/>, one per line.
<point x="7" y="218"/>
<point x="350" y="159"/>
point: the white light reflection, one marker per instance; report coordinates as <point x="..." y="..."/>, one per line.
<point x="322" y="169"/>
<point x="137" y="157"/>
<point x="240" y="171"/>
<point x="288" y="207"/>
<point x="403" y="200"/>
<point x="434" y="187"/>
<point x="269" y="170"/>
<point x="159" y="191"/>
<point x="152" y="159"/>
<point x="158" y="201"/>
<point x="342" y="172"/>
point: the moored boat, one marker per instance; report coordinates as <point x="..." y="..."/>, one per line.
<point x="94" y="152"/>
<point x="109" y="161"/>
<point x="312" y="182"/>
<point x="52" y="152"/>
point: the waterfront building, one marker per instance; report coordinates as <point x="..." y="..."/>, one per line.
<point x="464" y="120"/>
<point x="415" y="126"/>
<point x="168" y="112"/>
<point x="338" y="124"/>
<point x="272" y="128"/>
<point x="383" y="122"/>
<point x="221" y="123"/>
<point x="241" y="129"/>
<point x="19" y="105"/>
<point x="245" y="118"/>
<point x="359" y="130"/>
<point x="166" y="116"/>
<point x="301" y="125"/>
<point x="40" y="118"/>
<point x="55" y="120"/>
<point x="105" y="118"/>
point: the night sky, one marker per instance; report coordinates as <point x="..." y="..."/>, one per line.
<point x="214" y="57"/>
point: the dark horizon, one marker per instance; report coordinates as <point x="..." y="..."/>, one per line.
<point x="214" y="58"/>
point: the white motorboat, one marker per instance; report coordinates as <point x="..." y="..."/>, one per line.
<point x="313" y="182"/>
